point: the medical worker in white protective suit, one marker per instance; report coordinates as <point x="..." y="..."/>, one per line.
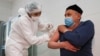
<point x="23" y="32"/>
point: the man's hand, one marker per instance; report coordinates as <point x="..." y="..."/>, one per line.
<point x="63" y="28"/>
<point x="68" y="46"/>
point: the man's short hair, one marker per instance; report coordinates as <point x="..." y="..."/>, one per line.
<point x="76" y="8"/>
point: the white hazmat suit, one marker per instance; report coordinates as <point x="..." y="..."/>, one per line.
<point x="23" y="35"/>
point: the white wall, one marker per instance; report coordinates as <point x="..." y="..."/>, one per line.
<point x="5" y="10"/>
<point x="53" y="10"/>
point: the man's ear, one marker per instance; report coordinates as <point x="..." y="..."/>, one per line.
<point x="65" y="14"/>
<point x="79" y="16"/>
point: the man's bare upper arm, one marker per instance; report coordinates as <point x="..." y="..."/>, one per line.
<point x="55" y="37"/>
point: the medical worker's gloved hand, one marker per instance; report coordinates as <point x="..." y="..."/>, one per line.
<point x="49" y="27"/>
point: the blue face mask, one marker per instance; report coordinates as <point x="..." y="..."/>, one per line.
<point x="69" y="21"/>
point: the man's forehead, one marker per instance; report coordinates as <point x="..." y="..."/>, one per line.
<point x="71" y="11"/>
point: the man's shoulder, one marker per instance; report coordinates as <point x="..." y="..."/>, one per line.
<point x="87" y="22"/>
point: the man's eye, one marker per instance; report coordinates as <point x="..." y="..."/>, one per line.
<point x="68" y="14"/>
